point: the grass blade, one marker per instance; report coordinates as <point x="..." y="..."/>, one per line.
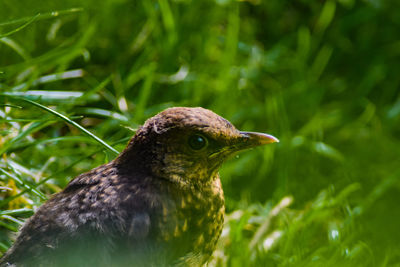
<point x="79" y="127"/>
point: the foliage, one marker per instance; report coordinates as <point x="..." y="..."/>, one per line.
<point x="322" y="76"/>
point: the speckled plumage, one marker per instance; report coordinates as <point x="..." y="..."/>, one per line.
<point x="160" y="202"/>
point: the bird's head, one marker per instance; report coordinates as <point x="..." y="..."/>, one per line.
<point x="188" y="145"/>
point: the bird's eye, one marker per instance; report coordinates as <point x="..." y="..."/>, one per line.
<point x="197" y="142"/>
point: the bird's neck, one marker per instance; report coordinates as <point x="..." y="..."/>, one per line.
<point x="136" y="157"/>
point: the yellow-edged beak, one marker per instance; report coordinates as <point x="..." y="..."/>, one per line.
<point x="258" y="139"/>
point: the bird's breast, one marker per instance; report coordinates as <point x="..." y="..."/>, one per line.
<point x="199" y="218"/>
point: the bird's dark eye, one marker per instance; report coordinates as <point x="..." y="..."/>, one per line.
<point x="197" y="142"/>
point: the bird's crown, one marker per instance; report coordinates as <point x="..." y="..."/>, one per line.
<point x="184" y="118"/>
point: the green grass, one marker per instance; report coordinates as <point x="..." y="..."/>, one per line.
<point x="78" y="77"/>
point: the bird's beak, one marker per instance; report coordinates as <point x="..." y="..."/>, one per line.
<point x="244" y="141"/>
<point x="252" y="139"/>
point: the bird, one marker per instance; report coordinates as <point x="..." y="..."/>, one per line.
<point x="158" y="203"/>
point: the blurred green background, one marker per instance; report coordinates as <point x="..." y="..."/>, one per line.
<point x="322" y="76"/>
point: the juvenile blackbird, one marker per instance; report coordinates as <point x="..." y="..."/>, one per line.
<point x="159" y="203"/>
